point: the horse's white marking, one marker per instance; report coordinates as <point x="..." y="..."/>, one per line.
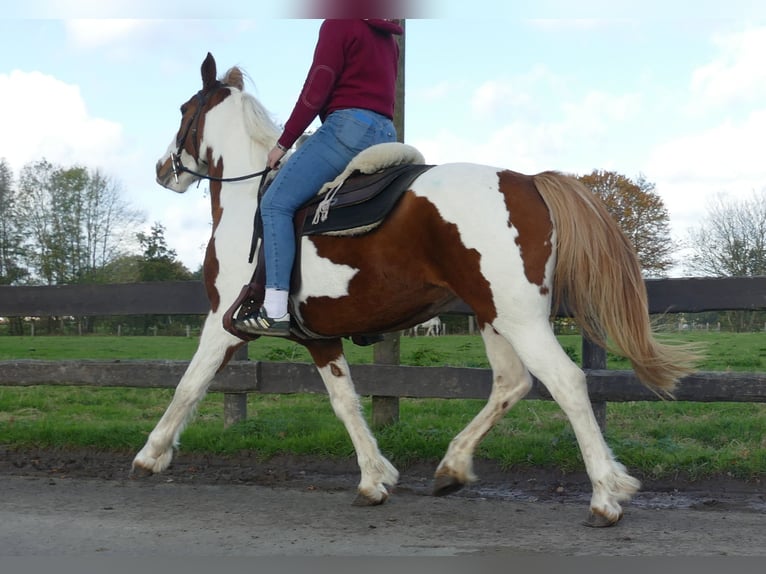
<point x="510" y="382"/>
<point x="377" y="472"/>
<point x="320" y="276"/>
<point x="458" y="193"/>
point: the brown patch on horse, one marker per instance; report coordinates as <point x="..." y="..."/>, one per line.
<point x="528" y="213"/>
<point x="210" y="266"/>
<point x="324" y="352"/>
<point x="410" y="268"/>
<point x="228" y="355"/>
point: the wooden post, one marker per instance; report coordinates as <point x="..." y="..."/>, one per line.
<point x="385" y="410"/>
<point x="235" y="404"/>
<point x="594" y="357"/>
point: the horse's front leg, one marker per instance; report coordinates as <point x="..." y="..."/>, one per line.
<point x="377" y="472"/>
<point x="215" y="349"/>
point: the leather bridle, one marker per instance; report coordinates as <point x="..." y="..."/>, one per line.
<point x="192" y="129"/>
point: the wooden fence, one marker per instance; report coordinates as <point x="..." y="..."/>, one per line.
<point x="381" y="380"/>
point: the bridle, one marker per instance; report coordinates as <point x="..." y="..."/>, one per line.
<point x="192" y="128"/>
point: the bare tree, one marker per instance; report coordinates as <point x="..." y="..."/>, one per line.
<point x="730" y="241"/>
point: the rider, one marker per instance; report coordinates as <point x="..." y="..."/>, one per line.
<point x="351" y="86"/>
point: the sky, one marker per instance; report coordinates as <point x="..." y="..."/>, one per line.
<point x="676" y="94"/>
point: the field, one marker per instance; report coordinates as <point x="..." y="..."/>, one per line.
<point x="658" y="440"/>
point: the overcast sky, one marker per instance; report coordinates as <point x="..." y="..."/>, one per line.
<point x="676" y="94"/>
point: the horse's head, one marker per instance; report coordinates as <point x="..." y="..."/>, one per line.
<point x="188" y="152"/>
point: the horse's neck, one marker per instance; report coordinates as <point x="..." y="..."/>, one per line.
<point x="231" y="142"/>
<point x="241" y="157"/>
<point x="235" y="207"/>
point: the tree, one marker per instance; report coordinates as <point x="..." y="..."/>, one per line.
<point x="640" y="213"/>
<point x="159" y="263"/>
<point x="11" y="251"/>
<point x="730" y="241"/>
<point x="75" y="222"/>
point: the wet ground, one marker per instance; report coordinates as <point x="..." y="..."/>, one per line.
<point x="83" y="503"/>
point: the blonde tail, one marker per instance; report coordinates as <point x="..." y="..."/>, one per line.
<point x="598" y="276"/>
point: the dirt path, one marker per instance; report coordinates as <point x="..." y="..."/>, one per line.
<point x="82" y="504"/>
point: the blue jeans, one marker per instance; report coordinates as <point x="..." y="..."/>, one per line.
<point x="320" y="159"/>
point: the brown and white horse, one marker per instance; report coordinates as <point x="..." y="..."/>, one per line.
<point x="507" y="244"/>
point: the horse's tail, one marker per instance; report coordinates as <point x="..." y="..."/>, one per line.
<point x="598" y="277"/>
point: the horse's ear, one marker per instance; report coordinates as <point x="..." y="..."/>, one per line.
<point x="208" y="72"/>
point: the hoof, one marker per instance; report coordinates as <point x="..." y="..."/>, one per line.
<point x="139" y="472"/>
<point x="445" y="484"/>
<point x="362" y="500"/>
<point x="597" y="520"/>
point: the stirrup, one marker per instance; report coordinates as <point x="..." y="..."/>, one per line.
<point x="259" y="323"/>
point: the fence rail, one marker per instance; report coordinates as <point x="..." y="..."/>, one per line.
<point x="378" y="380"/>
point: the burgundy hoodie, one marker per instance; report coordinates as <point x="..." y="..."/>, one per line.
<point x="355" y="66"/>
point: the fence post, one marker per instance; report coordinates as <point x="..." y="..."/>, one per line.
<point x="385" y="410"/>
<point x="235" y="404"/>
<point x="594" y="357"/>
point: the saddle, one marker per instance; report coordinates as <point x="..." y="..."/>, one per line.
<point x="355" y="203"/>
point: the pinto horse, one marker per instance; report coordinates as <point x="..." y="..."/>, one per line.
<point x="509" y="245"/>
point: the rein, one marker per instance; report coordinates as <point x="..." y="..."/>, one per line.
<point x="179" y="167"/>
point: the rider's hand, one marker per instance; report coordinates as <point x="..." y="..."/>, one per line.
<point x="275" y="155"/>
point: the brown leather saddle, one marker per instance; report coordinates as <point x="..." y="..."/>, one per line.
<point x="356" y="207"/>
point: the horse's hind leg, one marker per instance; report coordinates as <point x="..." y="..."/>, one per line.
<point x="215" y="348"/>
<point x="510" y="383"/>
<point x="541" y="353"/>
<point x="377" y="471"/>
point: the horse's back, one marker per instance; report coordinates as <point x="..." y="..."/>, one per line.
<point x="478" y="188"/>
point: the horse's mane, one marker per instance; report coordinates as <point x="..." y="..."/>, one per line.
<point x="258" y="121"/>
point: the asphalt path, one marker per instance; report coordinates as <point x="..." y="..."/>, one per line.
<point x="87" y="517"/>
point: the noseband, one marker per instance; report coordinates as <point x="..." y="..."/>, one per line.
<point x="192" y="128"/>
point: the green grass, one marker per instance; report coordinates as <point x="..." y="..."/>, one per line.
<point x="652" y="439"/>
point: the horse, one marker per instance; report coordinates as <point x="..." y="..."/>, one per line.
<point x="432" y="327"/>
<point x="511" y="246"/>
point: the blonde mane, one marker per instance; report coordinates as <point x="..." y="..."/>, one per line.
<point x="258" y="120"/>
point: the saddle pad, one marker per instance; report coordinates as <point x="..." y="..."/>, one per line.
<point x="363" y="200"/>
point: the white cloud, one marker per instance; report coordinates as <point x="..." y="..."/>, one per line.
<point x="579" y="24"/>
<point x="528" y="135"/>
<point x="45" y="117"/>
<point x="501" y="98"/>
<point x="495" y="96"/>
<point x="598" y="112"/>
<point x="736" y="75"/>
<point x="93" y="33"/>
<point x="693" y="168"/>
<point x="436" y="91"/>
<point x="178" y="9"/>
<point x="186" y="218"/>
<point x="724" y="154"/>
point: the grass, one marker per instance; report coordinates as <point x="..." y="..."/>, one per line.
<point x="657" y="440"/>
